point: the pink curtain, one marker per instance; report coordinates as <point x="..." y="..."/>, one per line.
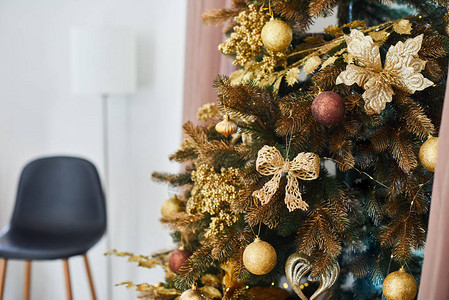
<point x="203" y="60"/>
<point x="435" y="275"/>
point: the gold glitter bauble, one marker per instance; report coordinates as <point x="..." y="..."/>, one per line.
<point x="428" y="154"/>
<point x="276" y="35"/>
<point x="192" y="295"/>
<point x="399" y="285"/>
<point x="226" y="127"/>
<point x="259" y="257"/>
<point x="170" y="207"/>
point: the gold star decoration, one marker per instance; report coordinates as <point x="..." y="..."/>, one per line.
<point x="402" y="69"/>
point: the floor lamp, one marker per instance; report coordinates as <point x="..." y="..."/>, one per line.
<point x="103" y="63"/>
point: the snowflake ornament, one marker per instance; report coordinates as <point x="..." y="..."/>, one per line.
<point x="402" y="69"/>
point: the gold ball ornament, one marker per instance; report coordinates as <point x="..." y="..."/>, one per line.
<point x="259" y="257"/>
<point x="226" y="127"/>
<point x="192" y="295"/>
<point x="170" y="207"/>
<point x="428" y="154"/>
<point x="276" y="35"/>
<point x="399" y="285"/>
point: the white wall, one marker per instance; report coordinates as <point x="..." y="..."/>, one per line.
<point x="39" y="116"/>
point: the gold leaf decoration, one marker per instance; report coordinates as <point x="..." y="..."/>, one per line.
<point x="312" y="64"/>
<point x="402" y="70"/>
<point x="210" y="292"/>
<point x="338" y="31"/>
<point x="292" y="76"/>
<point x="155" y="290"/>
<point x="403" y="26"/>
<point x="329" y="61"/>
<point x="333" y="30"/>
<point x="379" y="36"/>
<point x="142" y="260"/>
<point x="209" y="279"/>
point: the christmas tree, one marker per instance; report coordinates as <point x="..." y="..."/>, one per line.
<point x="312" y="173"/>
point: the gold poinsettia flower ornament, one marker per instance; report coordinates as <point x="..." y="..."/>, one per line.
<point x="402" y="69"/>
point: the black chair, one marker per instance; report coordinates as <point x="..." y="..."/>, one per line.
<point x="59" y="213"/>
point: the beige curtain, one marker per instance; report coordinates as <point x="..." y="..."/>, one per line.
<point x="203" y="60"/>
<point x="435" y="275"/>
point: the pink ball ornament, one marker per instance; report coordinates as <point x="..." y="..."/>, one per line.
<point x="328" y="108"/>
<point x="177" y="258"/>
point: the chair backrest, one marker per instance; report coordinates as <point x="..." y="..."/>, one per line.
<point x="60" y="195"/>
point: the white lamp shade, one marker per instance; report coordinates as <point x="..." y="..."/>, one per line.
<point x="103" y="60"/>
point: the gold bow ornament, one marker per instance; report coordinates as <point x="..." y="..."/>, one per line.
<point x="305" y="166"/>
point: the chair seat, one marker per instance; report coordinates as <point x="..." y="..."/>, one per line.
<point x="39" y="246"/>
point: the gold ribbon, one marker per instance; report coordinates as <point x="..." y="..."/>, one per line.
<point x="305" y="166"/>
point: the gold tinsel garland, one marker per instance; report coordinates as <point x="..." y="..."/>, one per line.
<point x="213" y="194"/>
<point x="208" y="111"/>
<point x="246" y="42"/>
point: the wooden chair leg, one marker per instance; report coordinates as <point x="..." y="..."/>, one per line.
<point x="26" y="288"/>
<point x="89" y="276"/>
<point x="3" y="263"/>
<point x="68" y="285"/>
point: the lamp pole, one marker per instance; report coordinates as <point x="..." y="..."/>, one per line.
<point x="104" y="107"/>
<point x="103" y="62"/>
